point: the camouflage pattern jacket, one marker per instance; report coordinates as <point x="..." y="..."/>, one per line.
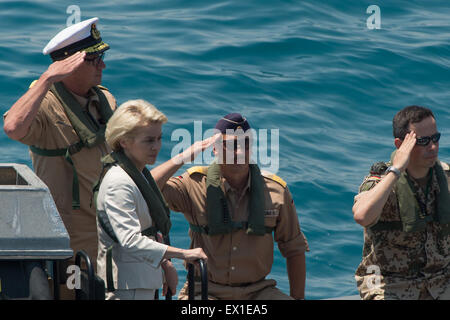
<point x="404" y="265"/>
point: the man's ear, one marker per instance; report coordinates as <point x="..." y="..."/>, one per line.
<point x="398" y="142"/>
<point x="215" y="151"/>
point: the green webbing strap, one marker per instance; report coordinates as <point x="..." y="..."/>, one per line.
<point x="75" y="184"/>
<point x="256" y="225"/>
<point x="219" y="219"/>
<point x="198" y="229"/>
<point x="67" y="154"/>
<point x="48" y="152"/>
<point x="109" y="274"/>
<point x="89" y="134"/>
<point x="387" y="226"/>
<point x="109" y="269"/>
<point x="237" y="225"/>
<point x="414" y="268"/>
<point x="443" y="198"/>
<point x="412" y="219"/>
<point x="96" y="185"/>
<point x="147" y="186"/>
<point x="150" y="232"/>
<point x="445" y="230"/>
<point x="105" y="224"/>
<point x="157" y="206"/>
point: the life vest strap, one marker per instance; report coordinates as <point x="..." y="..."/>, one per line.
<point x="387" y="226"/>
<point x="150" y="232"/>
<point x="445" y="230"/>
<point x="89" y="135"/>
<point x="109" y="274"/>
<point x="237" y="225"/>
<point x="67" y="154"/>
<point x="105" y="224"/>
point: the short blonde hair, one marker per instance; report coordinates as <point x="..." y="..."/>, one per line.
<point x="129" y="117"/>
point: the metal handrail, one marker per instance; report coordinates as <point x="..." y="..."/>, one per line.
<point x="204" y="280"/>
<point x="90" y="272"/>
<point x="166" y="240"/>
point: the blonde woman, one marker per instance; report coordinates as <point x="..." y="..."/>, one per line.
<point x="131" y="209"/>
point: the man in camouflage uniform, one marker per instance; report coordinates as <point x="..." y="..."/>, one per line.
<point x="404" y="207"/>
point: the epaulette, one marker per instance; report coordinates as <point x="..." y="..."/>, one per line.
<point x="32" y="84"/>
<point x="376" y="172"/>
<point x="198" y="169"/>
<point x="379" y="168"/>
<point x="445" y="166"/>
<point x="369" y="182"/>
<point x="274" y="177"/>
<point x="102" y="87"/>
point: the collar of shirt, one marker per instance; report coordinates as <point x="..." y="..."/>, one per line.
<point x="228" y="188"/>
<point x="90" y="104"/>
<point x="92" y="96"/>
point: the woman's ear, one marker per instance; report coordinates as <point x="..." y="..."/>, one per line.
<point x="125" y="142"/>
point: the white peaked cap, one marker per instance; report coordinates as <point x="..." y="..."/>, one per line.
<point x="80" y="36"/>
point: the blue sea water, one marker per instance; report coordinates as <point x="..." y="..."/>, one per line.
<point x="312" y="69"/>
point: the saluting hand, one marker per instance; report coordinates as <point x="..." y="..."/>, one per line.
<point x="59" y="70"/>
<point x="193" y="151"/>
<point x="403" y="154"/>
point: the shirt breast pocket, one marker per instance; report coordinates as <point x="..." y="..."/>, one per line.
<point x="63" y="124"/>
<point x="200" y="217"/>
<point x="65" y="128"/>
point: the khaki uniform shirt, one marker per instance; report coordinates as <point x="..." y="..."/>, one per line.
<point x="404" y="265"/>
<point x="237" y="258"/>
<point x="51" y="129"/>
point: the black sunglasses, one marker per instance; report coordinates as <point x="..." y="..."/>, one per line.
<point x="424" y="141"/>
<point x="236" y="142"/>
<point x="96" y="61"/>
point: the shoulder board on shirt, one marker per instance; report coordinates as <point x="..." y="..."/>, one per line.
<point x="102" y="87"/>
<point x="369" y="182"/>
<point x="274" y="177"/>
<point x="198" y="169"/>
<point x="32" y="84"/>
<point x="445" y="166"/>
<point x="379" y="168"/>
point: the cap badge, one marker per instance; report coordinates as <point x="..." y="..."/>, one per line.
<point x="94" y="32"/>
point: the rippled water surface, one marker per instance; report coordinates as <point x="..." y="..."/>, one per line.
<point x="311" y="69"/>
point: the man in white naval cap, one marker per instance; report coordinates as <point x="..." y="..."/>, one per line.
<point x="62" y="119"/>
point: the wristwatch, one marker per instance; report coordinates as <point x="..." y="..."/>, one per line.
<point x="394" y="170"/>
